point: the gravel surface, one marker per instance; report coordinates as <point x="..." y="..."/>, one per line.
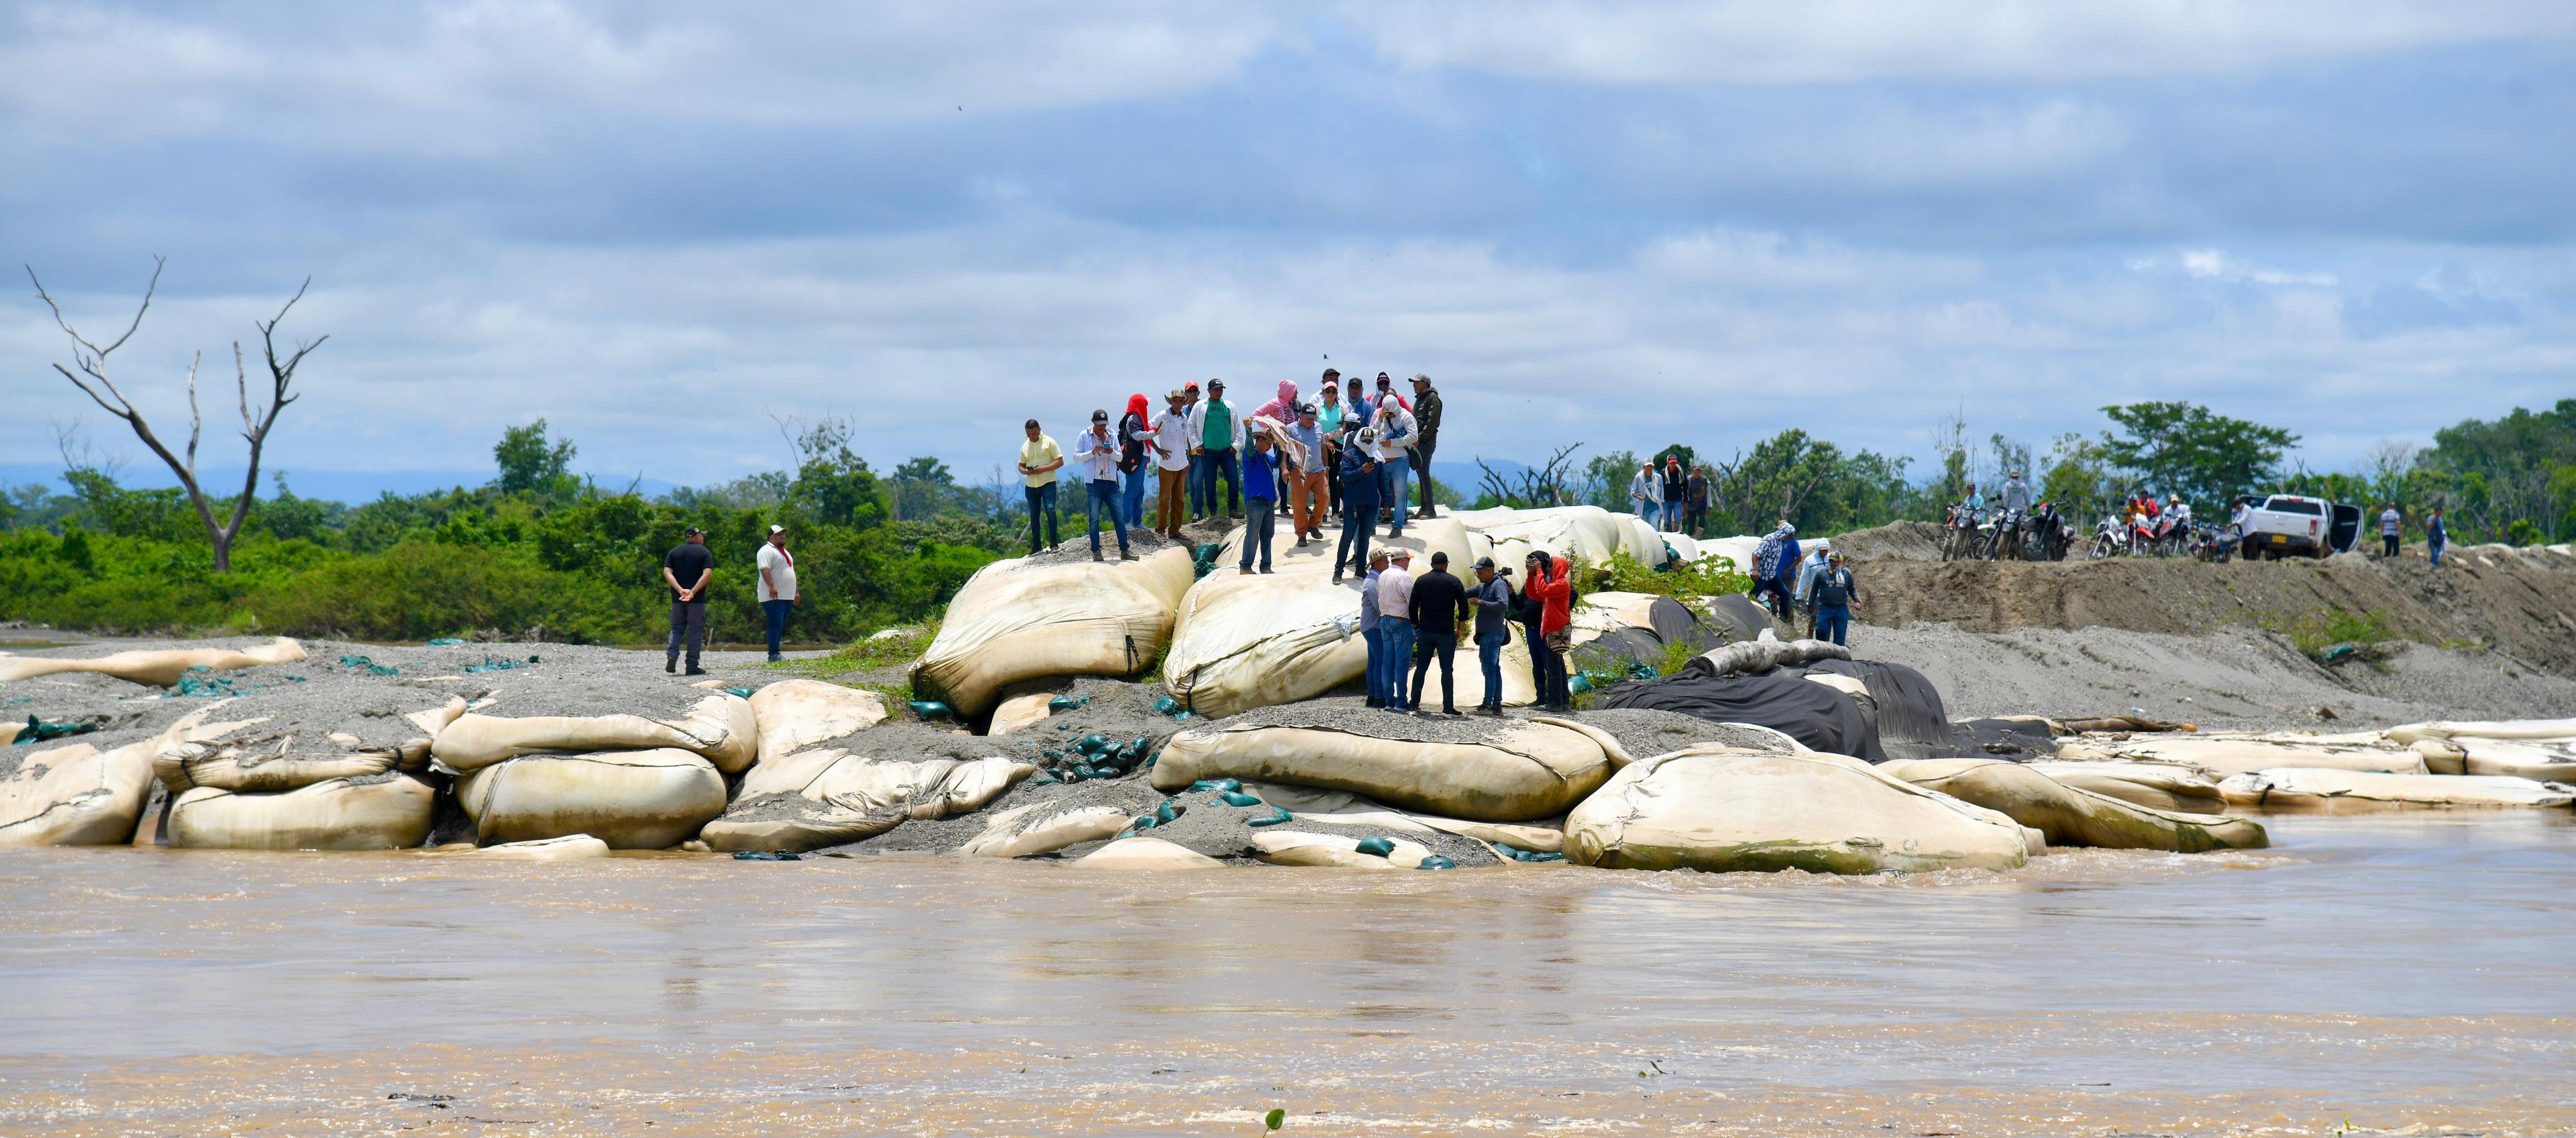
<point x="1352" y="714"/>
<point x="1645" y="734"/>
<point x="1076" y="548"/>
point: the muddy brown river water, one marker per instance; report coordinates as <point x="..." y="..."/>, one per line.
<point x="2391" y="972"/>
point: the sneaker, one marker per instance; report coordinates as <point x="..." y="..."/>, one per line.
<point x="1337" y="577"/>
<point x="1265" y="569"/>
<point x="1126" y="555"/>
<point x="1095" y="555"/>
<point x="775" y="657"/>
<point x="695" y="672"/>
<point x="671" y="665"/>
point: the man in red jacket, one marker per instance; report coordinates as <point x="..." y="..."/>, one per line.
<point x="1549" y="597"/>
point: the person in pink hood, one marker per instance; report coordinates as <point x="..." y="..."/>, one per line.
<point x="1283" y="409"/>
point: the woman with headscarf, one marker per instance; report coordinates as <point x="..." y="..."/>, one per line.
<point x="1282" y="410"/>
<point x="1135" y="434"/>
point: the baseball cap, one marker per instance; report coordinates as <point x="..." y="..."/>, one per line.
<point x="1099" y="416"/>
<point x="692" y="531"/>
<point x="778" y="529"/>
<point x="1422" y="377"/>
<point x="1484" y="563"/>
<point x="1399" y="554"/>
<point x="1216" y="385"/>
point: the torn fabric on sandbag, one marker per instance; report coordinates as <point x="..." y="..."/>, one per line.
<point x="1817" y="716"/>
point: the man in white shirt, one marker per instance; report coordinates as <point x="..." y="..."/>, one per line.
<point x="2388" y="531"/>
<point x="1396" y="434"/>
<point x="777" y="586"/>
<point x="1395" y="626"/>
<point x="1096" y="451"/>
<point x="1171" y="443"/>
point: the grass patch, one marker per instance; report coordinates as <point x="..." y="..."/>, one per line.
<point x="2333" y="635"/>
<point x="867" y="654"/>
<point x="1706" y="577"/>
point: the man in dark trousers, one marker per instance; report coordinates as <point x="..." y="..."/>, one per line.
<point x="1426" y="426"/>
<point x="1695" y="502"/>
<point x="1439" y="603"/>
<point x="687" y="570"/>
<point x="1830" y="598"/>
<point x="1492" y="596"/>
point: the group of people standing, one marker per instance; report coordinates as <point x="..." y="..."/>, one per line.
<point x="1409" y="623"/>
<point x="1347" y="454"/>
<point x="689" y="571"/>
<point x="1671" y="498"/>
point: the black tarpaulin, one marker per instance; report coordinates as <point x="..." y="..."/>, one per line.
<point x="1818" y="716"/>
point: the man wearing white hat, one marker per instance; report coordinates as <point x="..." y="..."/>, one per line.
<point x="777" y="586"/>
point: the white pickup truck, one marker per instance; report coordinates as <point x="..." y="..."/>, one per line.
<point x="2284" y="524"/>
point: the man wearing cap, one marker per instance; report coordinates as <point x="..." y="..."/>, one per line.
<point x="1830" y="597"/>
<point x="1219" y="429"/>
<point x="1097" y="450"/>
<point x="1426" y="420"/>
<point x="688" y="569"/>
<point x="1395" y="625"/>
<point x="1369" y="634"/>
<point x="1676" y="487"/>
<point x="1306" y="483"/>
<point x="1328" y="420"/>
<point x="1396" y="435"/>
<point x="1262" y="477"/>
<point x="1040" y="458"/>
<point x="777" y="585"/>
<point x="1172" y="463"/>
<point x="1439" y="603"/>
<point x="1359" y="498"/>
<point x="1492" y="596"/>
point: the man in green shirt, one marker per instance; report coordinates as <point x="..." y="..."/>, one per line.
<point x="1219" y="429"/>
<point x="1040" y="458"/>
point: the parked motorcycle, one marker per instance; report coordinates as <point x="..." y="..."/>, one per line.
<point x="2005" y="540"/>
<point x="1959" y="525"/>
<point x="2044" y="536"/>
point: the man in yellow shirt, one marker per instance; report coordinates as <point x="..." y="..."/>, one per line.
<point x="1040" y="458"/>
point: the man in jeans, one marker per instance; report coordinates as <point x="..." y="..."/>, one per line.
<point x="1830" y="598"/>
<point x="1261" y="478"/>
<point x="777" y="586"/>
<point x="687" y="569"/>
<point x="1695" y="502"/>
<point x="1369" y="629"/>
<point x="1097" y="451"/>
<point x="1219" y="429"/>
<point x="1040" y="458"/>
<point x="1676" y="487"/>
<point x="1395" y="625"/>
<point x="1439" y="603"/>
<point x="1492" y="596"/>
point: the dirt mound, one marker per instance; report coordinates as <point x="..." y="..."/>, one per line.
<point x="2520" y="604"/>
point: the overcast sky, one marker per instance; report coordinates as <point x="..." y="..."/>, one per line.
<point x="660" y="224"/>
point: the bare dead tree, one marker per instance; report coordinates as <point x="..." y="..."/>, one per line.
<point x="1545" y="485"/>
<point x="91" y="358"/>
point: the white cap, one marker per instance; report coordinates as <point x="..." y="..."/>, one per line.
<point x="778" y="529"/>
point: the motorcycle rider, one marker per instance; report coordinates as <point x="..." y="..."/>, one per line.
<point x="2016" y="493"/>
<point x="2012" y="507"/>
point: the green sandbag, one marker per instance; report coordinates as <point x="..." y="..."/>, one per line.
<point x="931" y="709"/>
<point x="1376" y="847"/>
<point x="1166" y="706"/>
<point x="1436" y="861"/>
<point x="739" y="693"/>
<point x="1277" y="816"/>
<point x="373" y="668"/>
<point x="1207" y="784"/>
<point x="1238" y="798"/>
<point x="1092" y="744"/>
<point x="1169" y="810"/>
<point x="38" y="730"/>
<point x="768" y="855"/>
<point x="1066" y="703"/>
<point x="447" y="641"/>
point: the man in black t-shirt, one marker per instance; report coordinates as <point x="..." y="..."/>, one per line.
<point x="688" y="570"/>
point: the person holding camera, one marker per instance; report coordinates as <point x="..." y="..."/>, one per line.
<point x="1492" y="596"/>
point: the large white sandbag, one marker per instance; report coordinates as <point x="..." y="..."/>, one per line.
<point x="2224" y="755"/>
<point x="2162" y="786"/>
<point x="1639" y="540"/>
<point x="830" y="796"/>
<point x="157" y="667"/>
<point x="1736" y="550"/>
<point x="1582" y="533"/>
<point x="1723" y="810"/>
<point x="1258" y="641"/>
<point x="1545" y="839"/>
<point x="2486" y="729"/>
<point x="721" y="728"/>
<point x="571" y="847"/>
<point x="2069" y="816"/>
<point x="1021" y="712"/>
<point x="1289" y="847"/>
<point x="371" y="733"/>
<point x="2541" y="760"/>
<point x="1520" y="771"/>
<point x="2315" y="791"/>
<point x="633" y="800"/>
<point x="1683" y="545"/>
<point x="73" y="794"/>
<point x="1147" y="853"/>
<point x="387" y="812"/>
<point x="1041" y="828"/>
<point x="795" y="714"/>
<point x="1017" y="620"/>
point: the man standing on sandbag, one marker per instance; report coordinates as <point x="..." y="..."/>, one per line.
<point x="1098" y="453"/>
<point x="1306" y="482"/>
<point x="1829" y="597"/>
<point x="1426" y="419"/>
<point x="1439" y="603"/>
<point x="1359" y="498"/>
<point x="1695" y="502"/>
<point x="1328" y="420"/>
<point x="691" y="563"/>
<point x="1395" y="626"/>
<point x="1369" y="631"/>
<point x="1492" y="596"/>
<point x="777" y="586"/>
<point x="1548" y="605"/>
<point x="1397" y="433"/>
<point x="1219" y="428"/>
<point x="1171" y="442"/>
<point x="1261" y="479"/>
<point x="1040" y="458"/>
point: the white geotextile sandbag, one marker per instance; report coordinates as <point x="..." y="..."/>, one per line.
<point x="2308" y="790"/>
<point x="722" y="728"/>
<point x="1639" y="540"/>
<point x="1545" y="839"/>
<point x="74" y="794"/>
<point x="2224" y="755"/>
<point x="258" y="756"/>
<point x="1278" y="847"/>
<point x="1736" y="550"/>
<point x="1039" y="828"/>
<point x="1245" y="642"/>
<point x="2164" y="786"/>
<point x="1018" y="621"/>
<point x="1021" y="712"/>
<point x="829" y="796"/>
<point x="1584" y="533"/>
<point x="795" y="714"/>
<point x="1147" y="853"/>
<point x="2486" y="729"/>
<point x="634" y="800"/>
<point x="570" y="847"/>
<point x="2541" y="760"/>
<point x="1522" y="771"/>
<point x="1683" y="545"/>
<point x="1722" y="810"/>
<point x="2070" y="816"/>
<point x="386" y="813"/>
<point x="157" y="667"/>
